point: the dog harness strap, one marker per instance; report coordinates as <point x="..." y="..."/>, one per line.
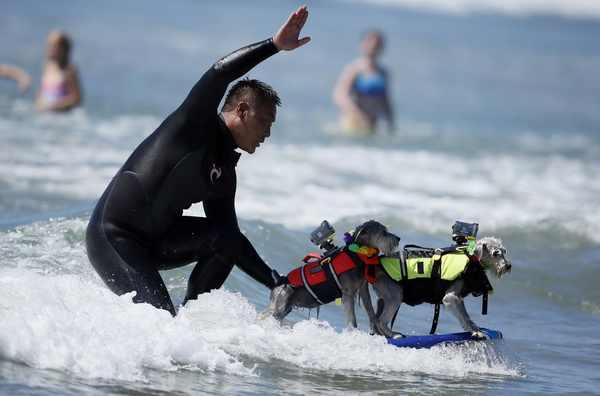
<point x="335" y="276"/>
<point x="370" y="273"/>
<point x="403" y="269"/>
<point x="312" y="293"/>
<point x="354" y="257"/>
<point x="484" y="304"/>
<point x="437" y="291"/>
<point x="436" y="316"/>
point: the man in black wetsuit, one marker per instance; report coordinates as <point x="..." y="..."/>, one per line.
<point x="138" y="227"/>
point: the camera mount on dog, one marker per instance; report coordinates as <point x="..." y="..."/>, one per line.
<point x="464" y="232"/>
<point x="322" y="236"/>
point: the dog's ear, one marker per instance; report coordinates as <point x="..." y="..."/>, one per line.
<point x="484" y="248"/>
<point x="481" y="249"/>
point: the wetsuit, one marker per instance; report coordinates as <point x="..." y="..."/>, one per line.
<point x="138" y="227"/>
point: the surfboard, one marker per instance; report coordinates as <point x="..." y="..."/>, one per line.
<point x="427" y="341"/>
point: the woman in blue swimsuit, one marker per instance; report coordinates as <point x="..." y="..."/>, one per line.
<point x="361" y="92"/>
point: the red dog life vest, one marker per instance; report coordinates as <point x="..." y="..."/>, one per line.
<point x="320" y="277"/>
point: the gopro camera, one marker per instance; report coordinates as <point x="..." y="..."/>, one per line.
<point x="462" y="232"/>
<point x="323" y="235"/>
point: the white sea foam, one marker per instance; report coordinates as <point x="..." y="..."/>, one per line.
<point x="572" y="9"/>
<point x="297" y="188"/>
<point x="424" y="188"/>
<point x="58" y="315"/>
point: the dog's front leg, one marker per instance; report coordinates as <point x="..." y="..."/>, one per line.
<point x="457" y="306"/>
<point x="280" y="303"/>
<point x="389" y="298"/>
<point x="365" y="296"/>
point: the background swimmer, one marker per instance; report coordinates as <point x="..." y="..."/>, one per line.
<point x="59" y="85"/>
<point x="361" y="92"/>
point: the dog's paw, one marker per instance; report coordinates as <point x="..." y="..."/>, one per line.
<point x="479" y="334"/>
<point x="398" y="336"/>
<point x="264" y="315"/>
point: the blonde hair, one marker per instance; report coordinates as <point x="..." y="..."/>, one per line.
<point x="61" y="39"/>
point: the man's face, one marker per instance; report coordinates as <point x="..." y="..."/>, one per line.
<point x="255" y="128"/>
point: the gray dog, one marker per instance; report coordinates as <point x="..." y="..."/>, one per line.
<point x="338" y="274"/>
<point x="391" y="293"/>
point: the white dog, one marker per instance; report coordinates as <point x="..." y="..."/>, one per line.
<point x="419" y="288"/>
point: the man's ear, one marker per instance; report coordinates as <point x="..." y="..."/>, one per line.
<point x="242" y="109"/>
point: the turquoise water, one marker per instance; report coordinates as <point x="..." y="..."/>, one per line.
<point x="498" y="124"/>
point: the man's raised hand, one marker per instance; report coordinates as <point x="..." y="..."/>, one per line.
<point x="286" y="37"/>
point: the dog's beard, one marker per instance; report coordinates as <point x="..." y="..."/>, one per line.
<point x="500" y="268"/>
<point x="388" y="244"/>
<point x="504" y="269"/>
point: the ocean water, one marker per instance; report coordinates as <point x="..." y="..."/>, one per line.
<point x="498" y="123"/>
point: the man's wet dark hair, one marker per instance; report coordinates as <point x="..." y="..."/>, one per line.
<point x="255" y="92"/>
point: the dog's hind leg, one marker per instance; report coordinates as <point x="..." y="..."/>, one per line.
<point x="457" y="307"/>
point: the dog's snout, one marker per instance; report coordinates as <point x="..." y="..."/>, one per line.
<point x="506" y="268"/>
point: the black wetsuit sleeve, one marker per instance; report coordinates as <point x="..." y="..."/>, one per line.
<point x="249" y="260"/>
<point x="251" y="263"/>
<point x="210" y="89"/>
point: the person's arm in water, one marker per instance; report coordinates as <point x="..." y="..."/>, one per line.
<point x="16" y="73"/>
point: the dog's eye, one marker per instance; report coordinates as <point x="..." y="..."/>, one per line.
<point x="496" y="253"/>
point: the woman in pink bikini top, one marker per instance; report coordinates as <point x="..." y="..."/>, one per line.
<point x="59" y="88"/>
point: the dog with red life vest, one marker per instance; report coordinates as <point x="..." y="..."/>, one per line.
<point x="339" y="273"/>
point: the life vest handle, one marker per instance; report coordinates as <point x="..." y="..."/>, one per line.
<point x="417" y="247"/>
<point x="312" y="256"/>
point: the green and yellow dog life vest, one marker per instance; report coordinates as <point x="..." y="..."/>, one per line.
<point x="452" y="266"/>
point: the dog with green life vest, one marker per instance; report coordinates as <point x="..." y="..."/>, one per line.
<point x="418" y="275"/>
